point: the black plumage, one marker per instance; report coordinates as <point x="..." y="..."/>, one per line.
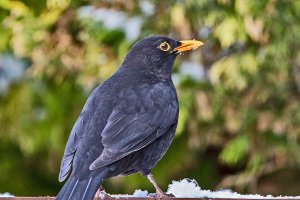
<point x="127" y="123"/>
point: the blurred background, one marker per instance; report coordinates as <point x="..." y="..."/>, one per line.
<point x="239" y="124"/>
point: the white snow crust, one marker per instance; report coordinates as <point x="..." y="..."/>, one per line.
<point x="189" y="188"/>
<point x="6" y="194"/>
<point x="140" y="193"/>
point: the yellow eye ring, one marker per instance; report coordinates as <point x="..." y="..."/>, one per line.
<point x="164" y="46"/>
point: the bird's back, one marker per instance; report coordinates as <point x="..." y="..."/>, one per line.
<point x="140" y="95"/>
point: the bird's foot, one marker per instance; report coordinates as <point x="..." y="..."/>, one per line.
<point x="101" y="194"/>
<point x="160" y="195"/>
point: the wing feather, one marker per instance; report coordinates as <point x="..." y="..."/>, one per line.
<point x="125" y="134"/>
<point x="77" y="132"/>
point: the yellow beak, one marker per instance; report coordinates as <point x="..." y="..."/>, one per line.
<point x="187" y="45"/>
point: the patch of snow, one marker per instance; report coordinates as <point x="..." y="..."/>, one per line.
<point x="187" y="188"/>
<point x="137" y="193"/>
<point x="140" y="193"/>
<point x="118" y="196"/>
<point x="6" y="194"/>
<point x="226" y="193"/>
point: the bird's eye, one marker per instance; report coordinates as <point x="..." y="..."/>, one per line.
<point x="164" y="46"/>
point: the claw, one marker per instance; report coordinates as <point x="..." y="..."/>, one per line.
<point x="101" y="194"/>
<point x="159" y="193"/>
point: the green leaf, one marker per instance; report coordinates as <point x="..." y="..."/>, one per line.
<point x="235" y="150"/>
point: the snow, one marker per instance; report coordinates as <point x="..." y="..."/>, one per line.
<point x="6" y="194"/>
<point x="140" y="193"/>
<point x="187" y="188"/>
<point x="118" y="196"/>
<point x="137" y="193"/>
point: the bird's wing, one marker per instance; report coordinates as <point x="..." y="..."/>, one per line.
<point x="125" y="134"/>
<point x="76" y="135"/>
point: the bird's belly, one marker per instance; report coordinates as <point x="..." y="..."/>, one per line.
<point x="154" y="152"/>
<point x="145" y="159"/>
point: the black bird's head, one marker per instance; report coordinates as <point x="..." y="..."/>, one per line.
<point x="156" y="54"/>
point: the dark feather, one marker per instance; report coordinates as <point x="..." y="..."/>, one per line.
<point x="79" y="129"/>
<point x="76" y="188"/>
<point x="125" y="134"/>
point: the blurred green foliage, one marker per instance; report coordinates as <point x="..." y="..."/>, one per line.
<point x="239" y="125"/>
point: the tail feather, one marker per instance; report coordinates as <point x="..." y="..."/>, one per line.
<point x="79" y="189"/>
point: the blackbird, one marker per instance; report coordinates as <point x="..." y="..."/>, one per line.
<point x="127" y="123"/>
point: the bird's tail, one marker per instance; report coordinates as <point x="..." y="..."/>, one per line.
<point x="79" y="189"/>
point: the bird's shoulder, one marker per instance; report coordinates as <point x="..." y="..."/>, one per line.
<point x="144" y="113"/>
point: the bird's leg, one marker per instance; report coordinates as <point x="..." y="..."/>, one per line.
<point x="159" y="192"/>
<point x="101" y="194"/>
